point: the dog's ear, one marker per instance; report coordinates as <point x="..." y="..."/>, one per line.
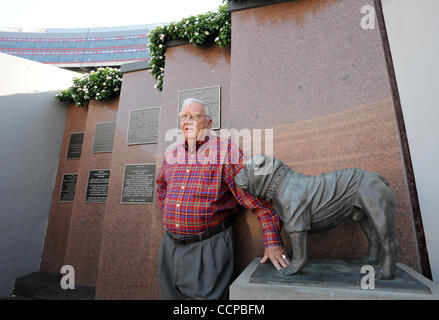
<point x="258" y="161"/>
<point x="265" y="167"/>
<point x="262" y="162"/>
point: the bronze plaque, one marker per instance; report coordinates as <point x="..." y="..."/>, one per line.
<point x="68" y="187"/>
<point x="97" y="186"/>
<point x="211" y="96"/>
<point x="75" y="145"/>
<point x="138" y="183"/>
<point x="143" y="126"/>
<point x="104" y="137"/>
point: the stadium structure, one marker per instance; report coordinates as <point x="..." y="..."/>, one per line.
<point x="80" y="49"/>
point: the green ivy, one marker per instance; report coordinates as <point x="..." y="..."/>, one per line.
<point x="200" y="30"/>
<point x="101" y="85"/>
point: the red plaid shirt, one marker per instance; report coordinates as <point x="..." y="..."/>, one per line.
<point x="198" y="191"/>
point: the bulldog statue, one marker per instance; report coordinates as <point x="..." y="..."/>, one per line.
<point x="308" y="203"/>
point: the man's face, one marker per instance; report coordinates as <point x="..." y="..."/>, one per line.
<point x="191" y="126"/>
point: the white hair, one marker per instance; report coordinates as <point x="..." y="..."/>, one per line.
<point x="189" y="101"/>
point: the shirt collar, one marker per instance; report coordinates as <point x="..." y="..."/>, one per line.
<point x="198" y="144"/>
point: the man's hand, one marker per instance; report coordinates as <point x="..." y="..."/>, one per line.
<point x="277" y="256"/>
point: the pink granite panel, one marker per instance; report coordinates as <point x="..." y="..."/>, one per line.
<point x="84" y="239"/>
<point x="125" y="268"/>
<point x="60" y="213"/>
<point x="309" y="71"/>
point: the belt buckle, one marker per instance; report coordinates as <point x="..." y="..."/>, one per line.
<point x="179" y="240"/>
<point x="175" y="238"/>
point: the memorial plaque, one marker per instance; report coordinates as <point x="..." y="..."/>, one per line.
<point x="138" y="183"/>
<point x="211" y="96"/>
<point x="75" y="145"/>
<point x="68" y="187"/>
<point x="104" y="137"/>
<point x="97" y="186"/>
<point x="144" y="126"/>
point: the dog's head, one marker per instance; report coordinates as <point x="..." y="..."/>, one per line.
<point x="256" y="175"/>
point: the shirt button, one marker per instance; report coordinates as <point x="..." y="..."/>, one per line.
<point x="178" y="205"/>
<point x="182" y="187"/>
<point x="177" y="225"/>
<point x="187" y="170"/>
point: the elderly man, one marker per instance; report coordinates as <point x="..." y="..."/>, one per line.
<point x="197" y="200"/>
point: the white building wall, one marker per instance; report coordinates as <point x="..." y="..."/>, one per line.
<point x="31" y="130"/>
<point x="412" y="28"/>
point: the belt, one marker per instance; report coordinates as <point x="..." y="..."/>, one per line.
<point x="178" y="239"/>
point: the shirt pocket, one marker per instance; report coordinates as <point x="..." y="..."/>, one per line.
<point x="209" y="182"/>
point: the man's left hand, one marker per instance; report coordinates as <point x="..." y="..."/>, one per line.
<point x="277" y="256"/>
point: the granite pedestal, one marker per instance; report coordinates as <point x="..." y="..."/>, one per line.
<point x="329" y="280"/>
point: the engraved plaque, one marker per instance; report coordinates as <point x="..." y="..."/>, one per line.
<point x="104" y="137"/>
<point x="75" y="145"/>
<point x="144" y="126"/>
<point x="138" y="183"/>
<point x="97" y="186"/>
<point x="211" y="96"/>
<point x="68" y="187"/>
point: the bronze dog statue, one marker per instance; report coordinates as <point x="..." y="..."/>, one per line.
<point x="316" y="203"/>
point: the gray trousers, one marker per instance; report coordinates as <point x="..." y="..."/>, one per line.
<point x="201" y="270"/>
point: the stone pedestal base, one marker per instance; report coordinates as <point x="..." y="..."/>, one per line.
<point x="329" y="280"/>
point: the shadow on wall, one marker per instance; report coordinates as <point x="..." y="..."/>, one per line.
<point x="31" y="132"/>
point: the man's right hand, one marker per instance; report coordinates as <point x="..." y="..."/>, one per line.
<point x="277" y="256"/>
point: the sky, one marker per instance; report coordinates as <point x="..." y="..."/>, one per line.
<point x="98" y="13"/>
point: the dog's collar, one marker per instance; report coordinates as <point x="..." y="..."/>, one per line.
<point x="276" y="181"/>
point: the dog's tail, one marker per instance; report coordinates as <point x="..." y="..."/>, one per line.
<point x="381" y="178"/>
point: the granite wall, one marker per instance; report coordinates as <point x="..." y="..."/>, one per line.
<point x="58" y="226"/>
<point x="324" y="82"/>
<point x="129" y="243"/>
<point x="84" y="238"/>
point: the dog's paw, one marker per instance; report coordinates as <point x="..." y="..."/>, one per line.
<point x="382" y="275"/>
<point x="292" y="269"/>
